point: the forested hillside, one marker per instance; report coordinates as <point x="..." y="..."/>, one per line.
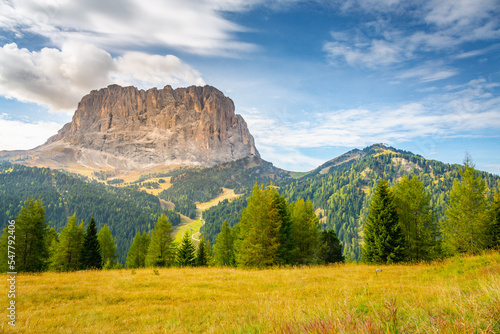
<point x="202" y="185"/>
<point x="126" y="211"/>
<point x="341" y="190"/>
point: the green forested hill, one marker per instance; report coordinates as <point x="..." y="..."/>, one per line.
<point x="125" y="211"/>
<point x="341" y="190"/>
<point x="202" y="185"/>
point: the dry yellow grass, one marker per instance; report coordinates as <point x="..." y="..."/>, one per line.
<point x="226" y="194"/>
<point x="460" y="295"/>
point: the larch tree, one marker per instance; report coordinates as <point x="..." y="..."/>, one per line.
<point x="91" y="250"/>
<point x="383" y="237"/>
<point x="66" y="252"/>
<point x="31" y="230"/>
<point x="161" y="251"/>
<point x="108" y="247"/>
<point x="186" y="253"/>
<point x="305" y="232"/>
<point x="224" y="247"/>
<point x="466" y="224"/>
<point x="417" y="219"/>
<point x="257" y="243"/>
<point x="136" y="256"/>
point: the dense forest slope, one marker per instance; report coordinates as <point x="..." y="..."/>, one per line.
<point x="204" y="184"/>
<point x="341" y="190"/>
<point x="124" y="210"/>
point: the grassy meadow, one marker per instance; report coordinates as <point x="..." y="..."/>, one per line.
<point x="458" y="295"/>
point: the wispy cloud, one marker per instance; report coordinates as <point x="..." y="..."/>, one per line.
<point x="431" y="71"/>
<point x="464" y="110"/>
<point x="192" y="26"/>
<point x="440" y="25"/>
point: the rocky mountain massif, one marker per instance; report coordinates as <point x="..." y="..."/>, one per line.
<point x="126" y="128"/>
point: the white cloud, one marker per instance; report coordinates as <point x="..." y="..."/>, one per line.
<point x="60" y="78"/>
<point x="466" y="110"/>
<point x="441" y="25"/>
<point x="193" y="26"/>
<point x="17" y="135"/>
<point x="431" y="71"/>
<point x="375" y="54"/>
<point x="145" y="70"/>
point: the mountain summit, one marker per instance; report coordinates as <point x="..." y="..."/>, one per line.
<point x="127" y="128"/>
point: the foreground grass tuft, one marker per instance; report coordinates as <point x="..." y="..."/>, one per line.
<point x="458" y="295"/>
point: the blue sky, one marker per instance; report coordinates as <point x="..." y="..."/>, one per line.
<point x="313" y="79"/>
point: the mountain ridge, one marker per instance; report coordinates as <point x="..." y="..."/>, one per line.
<point x="127" y="128"/>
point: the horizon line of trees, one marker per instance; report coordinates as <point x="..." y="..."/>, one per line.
<point x="401" y="226"/>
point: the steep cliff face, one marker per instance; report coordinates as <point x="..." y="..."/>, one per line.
<point x="127" y="128"/>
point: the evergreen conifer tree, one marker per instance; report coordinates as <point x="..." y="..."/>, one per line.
<point x="466" y="226"/>
<point x="31" y="230"/>
<point x="91" y="251"/>
<point x="136" y="256"/>
<point x="305" y="232"/>
<point x="203" y="253"/>
<point x="330" y="247"/>
<point x="108" y="246"/>
<point x="383" y="238"/>
<point x="224" y="247"/>
<point x="416" y="219"/>
<point x="161" y="251"/>
<point x="66" y="253"/>
<point x="495" y="222"/>
<point x="280" y="214"/>
<point x="186" y="253"/>
<point x="257" y="244"/>
<point x="4" y="260"/>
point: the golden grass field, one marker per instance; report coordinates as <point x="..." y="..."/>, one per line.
<point x="458" y="295"/>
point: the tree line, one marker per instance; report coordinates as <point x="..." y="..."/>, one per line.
<point x="402" y="223"/>
<point x="38" y="247"/>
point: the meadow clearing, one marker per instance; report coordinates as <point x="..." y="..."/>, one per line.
<point x="457" y="295"/>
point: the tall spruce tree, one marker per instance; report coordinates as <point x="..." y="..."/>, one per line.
<point x="66" y="253"/>
<point x="161" y="251"/>
<point x="186" y="253"/>
<point x="466" y="225"/>
<point x="107" y="246"/>
<point x="136" y="256"/>
<point x="330" y="250"/>
<point x="280" y="213"/>
<point x="31" y="230"/>
<point x="305" y="232"/>
<point x="203" y="253"/>
<point x="417" y="219"/>
<point x="224" y="247"/>
<point x="383" y="238"/>
<point x="90" y="257"/>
